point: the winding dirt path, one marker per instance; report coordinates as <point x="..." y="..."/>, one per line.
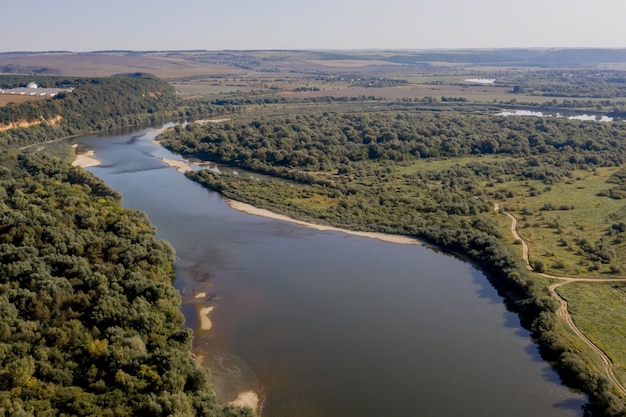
<point x="563" y="311"/>
<point x="519" y="238"/>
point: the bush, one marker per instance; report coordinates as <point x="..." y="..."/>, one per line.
<point x="538" y="266"/>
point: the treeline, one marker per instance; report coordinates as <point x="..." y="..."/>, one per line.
<point x="575" y="83"/>
<point x="91" y="324"/>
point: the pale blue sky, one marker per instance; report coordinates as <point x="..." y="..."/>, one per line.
<point x="88" y="25"/>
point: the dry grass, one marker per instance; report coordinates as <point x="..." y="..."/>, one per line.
<point x="18" y="99"/>
<point x="159" y="64"/>
<point x="195" y="89"/>
<point x="349" y="63"/>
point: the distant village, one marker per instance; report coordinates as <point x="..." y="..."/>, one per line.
<point x="32" y="89"/>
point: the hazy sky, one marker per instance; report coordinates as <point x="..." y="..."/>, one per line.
<point x="88" y="25"/>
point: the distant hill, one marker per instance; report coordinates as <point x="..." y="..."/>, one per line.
<point x="525" y="57"/>
<point x="180" y="64"/>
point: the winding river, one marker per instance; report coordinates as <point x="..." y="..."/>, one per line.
<point x="328" y="324"/>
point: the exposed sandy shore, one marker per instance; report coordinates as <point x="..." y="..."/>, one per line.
<point x="157" y="131"/>
<point x="85" y="159"/>
<point x="203" y="316"/>
<point x="181" y="166"/>
<point x="247" y="399"/>
<point x="198" y="122"/>
<point x="249" y="209"/>
<point x="205" y="121"/>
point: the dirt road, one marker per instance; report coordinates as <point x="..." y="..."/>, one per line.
<point x="563" y="311"/>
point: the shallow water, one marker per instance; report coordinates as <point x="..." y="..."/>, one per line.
<point x="329" y="324"/>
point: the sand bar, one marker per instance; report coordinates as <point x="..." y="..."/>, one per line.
<point x="247" y="399"/>
<point x="386" y="237"/>
<point x="203" y="315"/>
<point x="85" y="159"/>
<point x="205" y="121"/>
<point x="156" y="131"/>
<point x="180" y="165"/>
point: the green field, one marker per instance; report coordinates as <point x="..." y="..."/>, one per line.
<point x="602" y="322"/>
<point x="555" y="218"/>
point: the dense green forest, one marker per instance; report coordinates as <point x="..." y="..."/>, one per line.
<point x="95" y="104"/>
<point x="432" y="176"/>
<point x="91" y="323"/>
<point x="314" y="142"/>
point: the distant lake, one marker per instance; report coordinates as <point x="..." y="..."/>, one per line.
<point x="325" y="324"/>
<point x="481" y="80"/>
<point x="584" y="117"/>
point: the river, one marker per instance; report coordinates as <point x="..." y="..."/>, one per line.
<point x="321" y="323"/>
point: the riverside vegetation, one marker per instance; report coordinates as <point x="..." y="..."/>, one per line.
<point x="91" y="323"/>
<point x="334" y="151"/>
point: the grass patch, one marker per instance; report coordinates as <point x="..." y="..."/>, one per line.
<point x="447" y="163"/>
<point x="561" y="223"/>
<point x="602" y="322"/>
<point x="18" y="99"/>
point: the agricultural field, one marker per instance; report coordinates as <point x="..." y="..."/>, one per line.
<point x="17" y="99"/>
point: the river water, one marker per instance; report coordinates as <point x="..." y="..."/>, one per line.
<point x="329" y="324"/>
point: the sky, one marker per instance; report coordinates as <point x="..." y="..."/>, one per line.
<point x="92" y="25"/>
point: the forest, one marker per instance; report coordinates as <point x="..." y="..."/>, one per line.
<point x="327" y="141"/>
<point x="91" y="323"/>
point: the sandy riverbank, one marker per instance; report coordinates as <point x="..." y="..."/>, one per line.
<point x="85" y="159"/>
<point x="247" y="399"/>
<point x="226" y="379"/>
<point x="203" y="317"/>
<point x="156" y="131"/>
<point x="205" y="121"/>
<point x="180" y="165"/>
<point x="249" y="209"/>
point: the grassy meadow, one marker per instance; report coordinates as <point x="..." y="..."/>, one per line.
<point x="602" y="322"/>
<point x="556" y="221"/>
